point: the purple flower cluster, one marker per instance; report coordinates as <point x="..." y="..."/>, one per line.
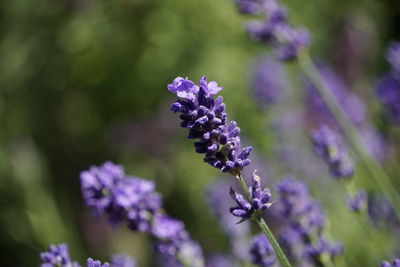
<point x="275" y="29"/>
<point x="396" y="263"/>
<point x="206" y="119"/>
<point x="327" y="144"/>
<point x="304" y="223"/>
<point x="107" y="190"/>
<point x="389" y="87"/>
<point x="260" y="200"/>
<point x="58" y="256"/>
<point x="133" y="200"/>
<point x="218" y="260"/>
<point x="393" y="57"/>
<point x="358" y="202"/>
<point x="261" y="251"/>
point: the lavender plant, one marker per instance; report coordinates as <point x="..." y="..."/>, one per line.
<point x="389" y="87"/>
<point x="293" y="44"/>
<point x="303" y="233"/>
<point x="205" y="117"/>
<point x="126" y="199"/>
<point x="58" y="256"/>
<point x="395" y="263"/>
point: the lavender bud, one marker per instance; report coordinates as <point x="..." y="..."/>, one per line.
<point x="396" y="263"/>
<point x="260" y="200"/>
<point x="95" y="263"/>
<point x="57" y="255"/>
<point x="358" y="202"/>
<point x="327" y="144"/>
<point x="261" y="251"/>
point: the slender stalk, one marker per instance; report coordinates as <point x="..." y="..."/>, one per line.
<point x="264" y="227"/>
<point x="350" y="130"/>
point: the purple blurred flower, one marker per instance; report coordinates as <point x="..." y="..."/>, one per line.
<point x="389" y="94"/>
<point x="316" y="252"/>
<point x="57" y="255"/>
<point x="358" y="202"/>
<point x="107" y="190"/>
<point x="396" y="263"/>
<point x="393" y="57"/>
<point x="205" y="117"/>
<point x="135" y="201"/>
<point x="97" y="184"/>
<point x="304" y="222"/>
<point x="170" y="234"/>
<point x="352" y="104"/>
<point x="250" y="6"/>
<point x="260" y="200"/>
<point x="269" y="81"/>
<point x="119" y="260"/>
<point x="277" y="32"/>
<point x="95" y="263"/>
<point x="261" y="251"/>
<point x="328" y="145"/>
<point x="218" y="260"/>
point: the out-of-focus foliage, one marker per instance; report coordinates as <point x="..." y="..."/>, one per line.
<point x="84" y="81"/>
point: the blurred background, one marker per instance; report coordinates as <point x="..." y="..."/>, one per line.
<point x="84" y="81"/>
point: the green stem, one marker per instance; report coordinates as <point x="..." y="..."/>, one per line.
<point x="264" y="227"/>
<point x="350" y="130"/>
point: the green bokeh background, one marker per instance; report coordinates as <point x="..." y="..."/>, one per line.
<point x="84" y="81"/>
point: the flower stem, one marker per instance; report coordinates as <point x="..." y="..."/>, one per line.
<point x="264" y="227"/>
<point x="368" y="161"/>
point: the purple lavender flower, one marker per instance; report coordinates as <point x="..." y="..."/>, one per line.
<point x="170" y="234"/>
<point x="269" y="81"/>
<point x="393" y="57"/>
<point x="260" y="200"/>
<point x="250" y="6"/>
<point x="205" y="118"/>
<point x="396" y="263"/>
<point x="316" y="252"/>
<point x="351" y="103"/>
<point x="389" y="94"/>
<point x="358" y="202"/>
<point x="305" y="221"/>
<point x="134" y="200"/>
<point x="57" y="255"/>
<point x="261" y="251"/>
<point x="183" y="88"/>
<point x="107" y="190"/>
<point x="137" y="200"/>
<point x="120" y="260"/>
<point x="95" y="263"/>
<point x="276" y="31"/>
<point x="327" y="144"/>
<point x="220" y="205"/>
<point x="97" y="184"/>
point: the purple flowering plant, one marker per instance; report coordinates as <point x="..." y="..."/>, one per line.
<point x="303" y="238"/>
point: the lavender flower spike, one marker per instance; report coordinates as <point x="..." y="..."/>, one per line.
<point x="57" y="255"/>
<point x="206" y="119"/>
<point x="358" y="202"/>
<point x="261" y="251"/>
<point x="327" y="145"/>
<point x="396" y="263"/>
<point x="260" y="200"/>
<point x="393" y="57"/>
<point x="94" y="263"/>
